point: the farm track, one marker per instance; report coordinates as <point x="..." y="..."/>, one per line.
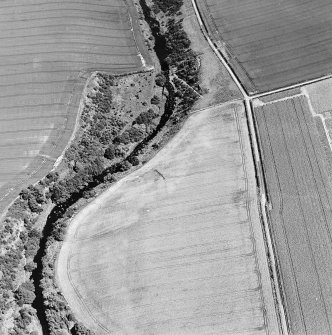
<point x="268" y="55"/>
<point x="301" y="214"/>
<point x="48" y="51"/>
<point x="180" y="250"/>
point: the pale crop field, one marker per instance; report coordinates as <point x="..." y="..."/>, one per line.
<point x="175" y="247"/>
<point x="47" y="51"/>
<point x="300" y="195"/>
<point x="270" y="43"/>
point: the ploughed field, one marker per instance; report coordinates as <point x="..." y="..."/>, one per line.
<point x="272" y="43"/>
<point x="300" y="196"/>
<point x="47" y="51"/>
<point x="175" y="247"/>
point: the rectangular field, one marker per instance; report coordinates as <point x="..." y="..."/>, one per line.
<point x="176" y="247"/>
<point x="47" y="51"/>
<point x="272" y="43"/>
<point x="300" y="196"/>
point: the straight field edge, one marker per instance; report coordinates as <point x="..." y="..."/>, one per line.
<point x="215" y="36"/>
<point x="143" y="53"/>
<point x="263" y="200"/>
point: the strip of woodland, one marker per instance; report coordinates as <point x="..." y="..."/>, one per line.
<point x="106" y="147"/>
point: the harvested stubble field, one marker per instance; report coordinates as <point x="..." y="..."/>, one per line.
<point x="47" y="51"/>
<point x="301" y="215"/>
<point x="176" y="247"/>
<point x="271" y="43"/>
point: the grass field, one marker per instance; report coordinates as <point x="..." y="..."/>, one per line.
<point x="47" y="51"/>
<point x="176" y="247"/>
<point x="301" y="213"/>
<point x="270" y="43"/>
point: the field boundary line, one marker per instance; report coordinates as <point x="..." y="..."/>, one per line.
<point x="140" y="47"/>
<point x="216" y="51"/>
<point x="232" y="72"/>
<point x="248" y="210"/>
<point x="256" y="102"/>
<point x="221" y="105"/>
<point x="86" y="74"/>
<point x="307" y="234"/>
<point x="78" y="116"/>
<point x="257" y="163"/>
<point x="314" y="114"/>
<point x="262" y="198"/>
<point x="79" y="296"/>
<point x="290" y="87"/>
<point x="267" y="216"/>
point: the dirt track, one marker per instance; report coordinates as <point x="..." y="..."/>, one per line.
<point x="176" y="247"/>
<point x="301" y="214"/>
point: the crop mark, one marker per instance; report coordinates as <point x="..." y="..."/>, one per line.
<point x="248" y="210"/>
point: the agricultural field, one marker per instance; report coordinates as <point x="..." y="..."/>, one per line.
<point x="175" y="247"/>
<point x="48" y="50"/>
<point x="271" y="44"/>
<point x="300" y="202"/>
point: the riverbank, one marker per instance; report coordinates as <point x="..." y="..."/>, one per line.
<point x="177" y="104"/>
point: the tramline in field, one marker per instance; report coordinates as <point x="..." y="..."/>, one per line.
<point x="299" y="190"/>
<point x="271" y="44"/>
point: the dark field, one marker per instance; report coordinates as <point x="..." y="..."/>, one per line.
<point x="301" y="216"/>
<point x="273" y="43"/>
<point x="47" y="51"/>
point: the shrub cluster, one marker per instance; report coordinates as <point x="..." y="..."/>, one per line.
<point x="146" y="118"/>
<point x="88" y="165"/>
<point x="19" y="245"/>
<point x="181" y="58"/>
<point x="170" y="7"/>
<point x="22" y="320"/>
<point x="99" y="153"/>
